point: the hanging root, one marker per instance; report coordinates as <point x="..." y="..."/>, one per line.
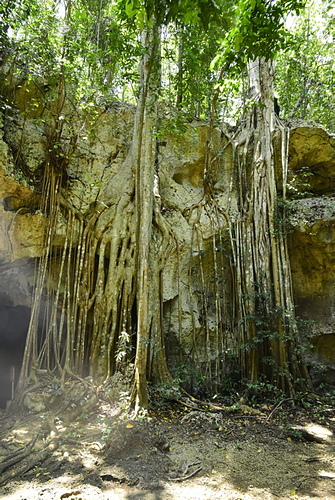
<point x="89" y="312"/>
<point x="17" y="456"/>
<point x="26" y="460"/>
<point x="265" y="306"/>
<point x="186" y="476"/>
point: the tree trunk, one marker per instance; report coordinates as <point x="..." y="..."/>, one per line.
<point x="149" y="321"/>
<point x="145" y="169"/>
<point x="266" y="321"/>
<point x="108" y="297"/>
<point x="180" y="82"/>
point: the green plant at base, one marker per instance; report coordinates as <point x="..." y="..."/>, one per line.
<point x="162" y="395"/>
<point x="190" y="377"/>
<point x="284" y="209"/>
<point x="293" y="431"/>
<point x="299" y="185"/>
<point x="261" y="391"/>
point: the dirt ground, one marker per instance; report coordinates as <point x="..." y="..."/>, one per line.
<point x="184" y="450"/>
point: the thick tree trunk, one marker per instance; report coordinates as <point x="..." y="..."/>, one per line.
<point x="267" y="327"/>
<point x="149" y="331"/>
<point x="108" y="295"/>
<point x="145" y="169"/>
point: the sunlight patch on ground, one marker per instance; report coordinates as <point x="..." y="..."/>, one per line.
<point x="319" y="431"/>
<point x="21" y="432"/>
<point x="51" y="491"/>
<point x="215" y="491"/>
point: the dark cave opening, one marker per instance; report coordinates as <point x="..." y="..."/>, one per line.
<point x="14" y="323"/>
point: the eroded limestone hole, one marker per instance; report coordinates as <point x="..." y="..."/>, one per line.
<point x="14" y="323"/>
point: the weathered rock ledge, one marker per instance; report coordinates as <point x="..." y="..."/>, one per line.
<point x="96" y="172"/>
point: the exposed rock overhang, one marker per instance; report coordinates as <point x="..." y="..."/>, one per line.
<point x="97" y="174"/>
<point x="312" y="159"/>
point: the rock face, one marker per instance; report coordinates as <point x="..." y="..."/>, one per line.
<point x="312" y="157"/>
<point x="312" y="240"/>
<point x="95" y="175"/>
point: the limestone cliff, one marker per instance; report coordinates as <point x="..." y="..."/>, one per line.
<point x="97" y="173"/>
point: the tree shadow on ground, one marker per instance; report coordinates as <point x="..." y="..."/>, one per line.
<point x="103" y="456"/>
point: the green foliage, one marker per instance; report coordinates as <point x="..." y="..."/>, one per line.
<point x="305" y="73"/>
<point x="123" y="348"/>
<point x="173" y="126"/>
<point x="6" y="20"/>
<point x="189" y="376"/>
<point x="91" y="46"/>
<point x="94" y="46"/>
<point x="188" y="11"/>
<point x="162" y="395"/>
<point x="258" y="31"/>
<point x="55" y="387"/>
<point x="261" y="391"/>
<point x="299" y="184"/>
<point x="167" y="391"/>
<point x="284" y="208"/>
<point x="292" y="430"/>
<point x="192" y="82"/>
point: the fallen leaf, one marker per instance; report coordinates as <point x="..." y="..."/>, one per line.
<point x="70" y="494"/>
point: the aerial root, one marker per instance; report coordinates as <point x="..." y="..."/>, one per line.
<point x="35" y="456"/>
<point x="186" y="476"/>
<point x="17" y="455"/>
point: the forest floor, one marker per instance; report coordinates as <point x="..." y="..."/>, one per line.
<point x="179" y="450"/>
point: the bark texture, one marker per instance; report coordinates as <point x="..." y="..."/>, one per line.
<point x="161" y="245"/>
<point x="266" y="317"/>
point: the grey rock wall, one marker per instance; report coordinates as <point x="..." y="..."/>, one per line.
<point x="97" y="175"/>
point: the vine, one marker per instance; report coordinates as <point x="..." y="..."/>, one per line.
<point x="101" y="293"/>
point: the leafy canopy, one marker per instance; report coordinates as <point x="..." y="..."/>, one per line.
<point x="258" y="31"/>
<point x="94" y="45"/>
<point x="305" y="73"/>
<point x="205" y="12"/>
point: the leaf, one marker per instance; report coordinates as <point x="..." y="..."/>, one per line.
<point x="214" y="61"/>
<point x="131" y="7"/>
<point x="129" y="426"/>
<point x="237" y="41"/>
